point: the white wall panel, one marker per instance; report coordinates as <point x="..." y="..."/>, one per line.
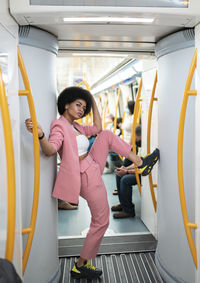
<point x="43" y="263"/>
<point x="148" y="214"/>
<point x="173" y="254"/>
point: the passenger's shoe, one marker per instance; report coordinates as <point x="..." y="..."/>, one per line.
<point x="115" y="192"/>
<point x="86" y="271"/>
<point x="117" y="207"/>
<point x="123" y="214"/>
<point x="66" y="205"/>
<point x="148" y="162"/>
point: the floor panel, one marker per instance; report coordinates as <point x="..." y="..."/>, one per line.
<point x="120" y="268"/>
<point x="76" y="222"/>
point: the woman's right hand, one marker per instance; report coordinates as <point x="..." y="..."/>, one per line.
<point x="29" y="126"/>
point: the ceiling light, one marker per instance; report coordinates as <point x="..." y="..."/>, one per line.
<point x="99" y="54"/>
<point x="185" y="2"/>
<point x="108" y="19"/>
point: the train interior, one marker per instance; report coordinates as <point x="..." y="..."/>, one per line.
<point x="145" y="51"/>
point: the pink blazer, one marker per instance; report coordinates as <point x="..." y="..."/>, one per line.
<point x="62" y="137"/>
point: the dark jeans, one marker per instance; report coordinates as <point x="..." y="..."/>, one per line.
<point x="124" y="187"/>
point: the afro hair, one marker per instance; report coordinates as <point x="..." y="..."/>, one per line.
<point x="70" y="94"/>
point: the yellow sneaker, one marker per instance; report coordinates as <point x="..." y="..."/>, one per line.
<point x="85" y="271"/>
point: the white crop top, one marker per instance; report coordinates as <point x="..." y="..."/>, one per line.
<point x="83" y="144"/>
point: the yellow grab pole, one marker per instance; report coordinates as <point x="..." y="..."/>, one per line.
<point x="186" y="222"/>
<point x="104" y="112"/>
<point x="116" y="109"/>
<point x="135" y="119"/>
<point x="88" y="88"/>
<point x="151" y="185"/>
<point x="36" y="161"/>
<point x="139" y="113"/>
<point x="123" y="117"/>
<point x="10" y="164"/>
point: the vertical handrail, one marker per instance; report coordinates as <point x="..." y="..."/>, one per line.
<point x="99" y="106"/>
<point x="188" y="225"/>
<point x="135" y="119"/>
<point x="151" y="185"/>
<point x="31" y="229"/>
<point x="139" y="113"/>
<point x="83" y="82"/>
<point x="10" y="164"/>
<point x="116" y="109"/>
<point x="123" y="117"/>
<point x="104" y="112"/>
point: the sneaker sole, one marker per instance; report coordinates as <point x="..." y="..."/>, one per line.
<point x="75" y="275"/>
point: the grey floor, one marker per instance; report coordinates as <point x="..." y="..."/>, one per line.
<point x="76" y="222"/>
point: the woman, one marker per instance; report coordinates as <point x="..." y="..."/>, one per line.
<point x="80" y="171"/>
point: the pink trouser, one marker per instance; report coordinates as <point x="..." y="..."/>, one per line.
<point x="93" y="189"/>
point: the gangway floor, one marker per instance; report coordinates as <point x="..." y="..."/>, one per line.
<point x="117" y="268"/>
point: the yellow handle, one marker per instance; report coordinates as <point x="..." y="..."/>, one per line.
<point x="84" y="83"/>
<point x="87" y="117"/>
<point x="123" y="117"/>
<point x="186" y="222"/>
<point x="10" y="164"/>
<point x="151" y="185"/>
<point x="105" y="111"/>
<point x="135" y="120"/>
<point x="30" y="230"/>
<point x="116" y="109"/>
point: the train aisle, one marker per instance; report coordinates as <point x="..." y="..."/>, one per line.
<point x="127" y="251"/>
<point x="76" y="222"/>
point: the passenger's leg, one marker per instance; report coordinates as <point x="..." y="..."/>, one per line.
<point x="94" y="192"/>
<point x="126" y="163"/>
<point x="125" y="195"/>
<point x="96" y="196"/>
<point x="117" y="207"/>
<point x="107" y="141"/>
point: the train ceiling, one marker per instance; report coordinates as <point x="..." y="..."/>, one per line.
<point x="106" y="31"/>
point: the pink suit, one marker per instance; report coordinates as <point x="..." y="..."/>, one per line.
<point x="84" y="177"/>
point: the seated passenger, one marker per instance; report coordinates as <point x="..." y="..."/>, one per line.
<point x="138" y="145"/>
<point x="125" y="179"/>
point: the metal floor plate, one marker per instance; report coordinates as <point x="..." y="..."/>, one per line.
<point x="117" y="268"/>
<point x="110" y="245"/>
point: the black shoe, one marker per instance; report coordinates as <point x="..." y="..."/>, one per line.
<point x="148" y="162"/>
<point x="86" y="271"/>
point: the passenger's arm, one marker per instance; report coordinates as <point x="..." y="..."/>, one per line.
<point x="46" y="146"/>
<point x="96" y="116"/>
